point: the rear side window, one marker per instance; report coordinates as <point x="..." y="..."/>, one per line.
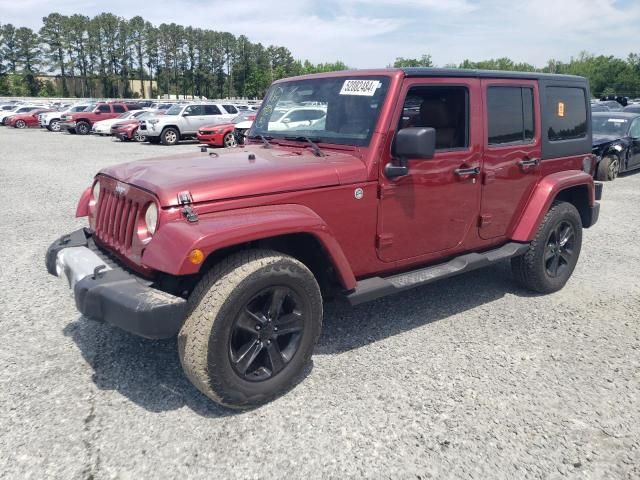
<point x="230" y="108"/>
<point x="119" y="108"/>
<point x="567" y="113"/>
<point x="104" y="108"/>
<point x="510" y="112"/>
<point x="212" y="110"/>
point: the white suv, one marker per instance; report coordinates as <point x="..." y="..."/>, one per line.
<point x="51" y="120"/>
<point x="183" y="121"/>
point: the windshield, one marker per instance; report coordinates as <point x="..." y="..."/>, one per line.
<point x="331" y="110"/>
<point x="175" y="110"/>
<point x="610" y="126"/>
<point x="80" y="108"/>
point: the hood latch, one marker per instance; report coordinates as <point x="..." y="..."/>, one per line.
<point x="185" y="200"/>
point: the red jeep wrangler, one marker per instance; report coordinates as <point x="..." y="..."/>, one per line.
<point x="81" y="122"/>
<point x="412" y="175"/>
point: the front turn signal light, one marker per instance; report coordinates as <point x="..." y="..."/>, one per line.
<point x="196" y="256"/>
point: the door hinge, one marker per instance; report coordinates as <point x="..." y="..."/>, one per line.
<point x="384" y="240"/>
<point x="385" y="192"/>
<point x="185" y="200"/>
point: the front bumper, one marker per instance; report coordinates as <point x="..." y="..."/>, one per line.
<point x="107" y="293"/>
<point x="214" y="139"/>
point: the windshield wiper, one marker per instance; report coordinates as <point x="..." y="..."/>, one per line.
<point x="316" y="150"/>
<point x="265" y="140"/>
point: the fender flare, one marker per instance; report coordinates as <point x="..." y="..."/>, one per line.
<point x="169" y="249"/>
<point x="543" y="196"/>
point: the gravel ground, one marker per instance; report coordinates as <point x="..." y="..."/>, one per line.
<point x="468" y="378"/>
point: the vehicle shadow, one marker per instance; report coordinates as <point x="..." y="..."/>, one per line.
<point x="148" y="372"/>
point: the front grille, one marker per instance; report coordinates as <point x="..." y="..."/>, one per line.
<point x="116" y="220"/>
<point x="205" y="132"/>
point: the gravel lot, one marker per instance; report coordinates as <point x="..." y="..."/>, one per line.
<point x="470" y="377"/>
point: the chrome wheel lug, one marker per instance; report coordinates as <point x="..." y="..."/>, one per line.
<point x="258" y="327"/>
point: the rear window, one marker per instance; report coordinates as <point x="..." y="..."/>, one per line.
<point x="567" y="113"/>
<point x="510" y="111"/>
<point x="230" y="108"/>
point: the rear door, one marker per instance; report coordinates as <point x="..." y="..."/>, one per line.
<point x="512" y="152"/>
<point x="213" y="115"/>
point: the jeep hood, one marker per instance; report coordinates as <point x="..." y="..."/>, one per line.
<point x="234" y="174"/>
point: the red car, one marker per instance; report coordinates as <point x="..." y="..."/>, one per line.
<point x="221" y="135"/>
<point x="128" y="129"/>
<point x="25" y="120"/>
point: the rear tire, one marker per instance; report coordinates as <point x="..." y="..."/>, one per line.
<point x="233" y="345"/>
<point x="83" y="128"/>
<point x="170" y="136"/>
<point x="21" y="124"/>
<point x="553" y="253"/>
<point x="54" y="126"/>
<point x="608" y="168"/>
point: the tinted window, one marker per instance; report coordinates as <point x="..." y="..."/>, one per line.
<point x="104" y="108"/>
<point x="230" y="108"/>
<point x="194" y="110"/>
<point x="567" y="113"/>
<point x="510" y="112"/>
<point x="119" y="108"/>
<point x="443" y="108"/>
<point x="212" y="110"/>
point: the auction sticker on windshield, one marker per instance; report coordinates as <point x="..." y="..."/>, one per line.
<point x="365" y="88"/>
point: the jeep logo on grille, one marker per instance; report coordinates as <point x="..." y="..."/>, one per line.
<point x="120" y="189"/>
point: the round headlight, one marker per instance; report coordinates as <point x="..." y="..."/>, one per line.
<point x="96" y="191"/>
<point x="151" y="218"/>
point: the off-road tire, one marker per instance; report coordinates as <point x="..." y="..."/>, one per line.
<point x="203" y="341"/>
<point x="608" y="168"/>
<point x="529" y="269"/>
<point x="170" y="136"/>
<point x="54" y="126"/>
<point x="83" y="128"/>
<point x="21" y="124"/>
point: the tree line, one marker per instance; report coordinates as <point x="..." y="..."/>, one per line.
<point x="99" y="56"/>
<point x="607" y="75"/>
<point x="106" y="51"/>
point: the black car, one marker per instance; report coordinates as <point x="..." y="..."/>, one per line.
<point x="616" y="143"/>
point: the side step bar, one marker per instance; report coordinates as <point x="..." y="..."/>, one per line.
<point x="376" y="287"/>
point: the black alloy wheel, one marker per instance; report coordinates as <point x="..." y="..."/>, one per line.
<point x="559" y="249"/>
<point x="266" y="334"/>
<point x="83" y="128"/>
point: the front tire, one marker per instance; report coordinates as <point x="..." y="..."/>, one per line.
<point x="608" y="168"/>
<point x="138" y="137"/>
<point x="54" y="126"/>
<point x="553" y="253"/>
<point x="252" y="324"/>
<point x="83" y="128"/>
<point x="229" y="140"/>
<point x="170" y="136"/>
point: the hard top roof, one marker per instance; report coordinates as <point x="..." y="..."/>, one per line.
<point x="459" y="72"/>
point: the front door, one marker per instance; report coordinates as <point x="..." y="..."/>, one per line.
<point x="512" y="152"/>
<point x="192" y="119"/>
<point x="433" y="208"/>
<point x="634" y="149"/>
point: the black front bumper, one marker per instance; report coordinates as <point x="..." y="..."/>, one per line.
<point x="118" y="297"/>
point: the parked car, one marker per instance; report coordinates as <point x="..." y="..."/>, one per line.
<point x="18" y="109"/>
<point x="51" y="120"/>
<point x="233" y="256"/>
<point x="129" y="129"/>
<point x="103" y="127"/>
<point x="222" y="135"/>
<point x="612" y="105"/>
<point x="616" y="143"/>
<point x="297" y="117"/>
<point x="596" y="107"/>
<point x="81" y="122"/>
<point x="26" y="120"/>
<point x="183" y="121"/>
<point x="633" y="108"/>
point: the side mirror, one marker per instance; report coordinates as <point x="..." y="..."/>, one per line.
<point x="286" y="120"/>
<point x="413" y="142"/>
<point x="98" y="112"/>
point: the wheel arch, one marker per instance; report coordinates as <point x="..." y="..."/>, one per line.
<point x="575" y="187"/>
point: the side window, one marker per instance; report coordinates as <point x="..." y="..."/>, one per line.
<point x="446" y="109"/>
<point x="193" y="110"/>
<point x="119" y="108"/>
<point x="634" y="131"/>
<point x="104" y="108"/>
<point x="510" y="115"/>
<point x="212" y="110"/>
<point x="230" y="108"/>
<point x="567" y="113"/>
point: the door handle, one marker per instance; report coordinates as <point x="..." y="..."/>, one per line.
<point x="463" y="172"/>
<point x="529" y="162"/>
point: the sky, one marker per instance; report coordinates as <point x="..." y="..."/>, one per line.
<point x="372" y="33"/>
